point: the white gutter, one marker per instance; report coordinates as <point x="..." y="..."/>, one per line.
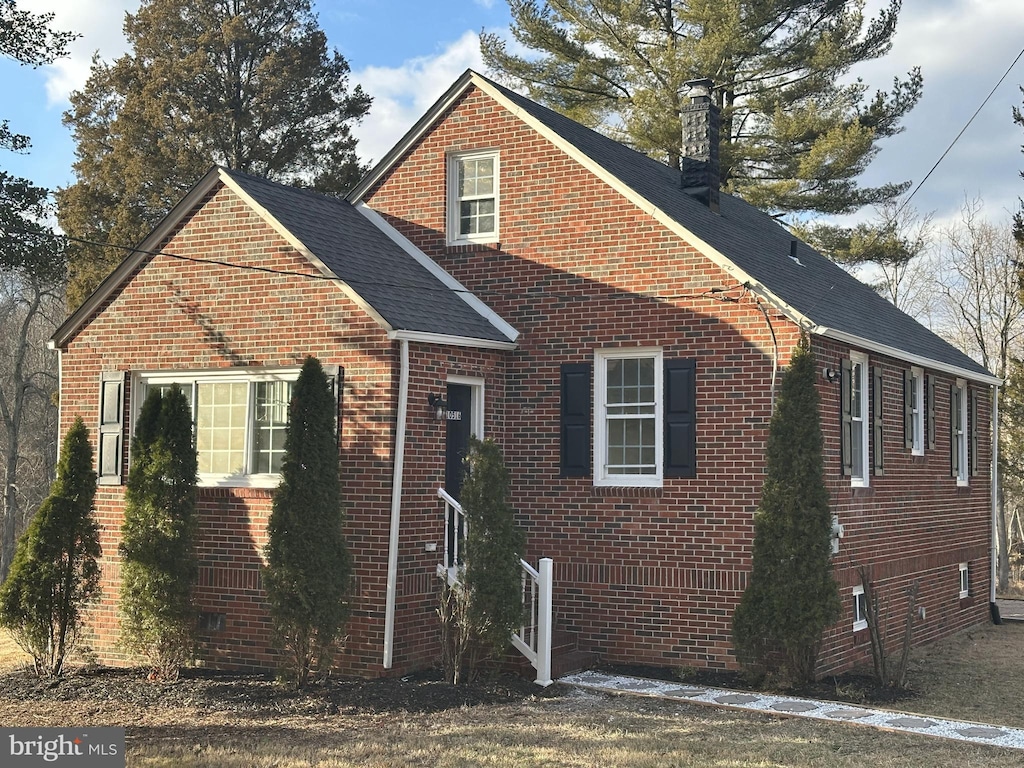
<point x="995" y="494"/>
<point x="899" y="354"/>
<point x="396" y="510"/>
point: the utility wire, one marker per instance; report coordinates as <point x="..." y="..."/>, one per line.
<point x="959" y="135"/>
<point x="716" y="293"/>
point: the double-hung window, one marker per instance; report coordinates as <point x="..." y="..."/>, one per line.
<point x="473" y="198"/>
<point x="239" y="421"/>
<point x="913" y="410"/>
<point x="855" y="418"/>
<point x="958" y="431"/>
<point x="628" y="423"/>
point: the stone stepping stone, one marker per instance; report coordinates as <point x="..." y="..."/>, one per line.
<point x="911" y="722"/>
<point x="979" y="732"/>
<point x="689" y="692"/>
<point x="848" y="714"/>
<point x="737" y="698"/>
<point x="794" y="706"/>
<point x="636" y="685"/>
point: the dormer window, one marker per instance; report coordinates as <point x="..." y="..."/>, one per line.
<point x="473" y="198"/>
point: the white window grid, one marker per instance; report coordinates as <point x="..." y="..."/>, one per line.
<point x="240" y="441"/>
<point x="917" y="410"/>
<point x="860" y="402"/>
<point x="960" y="430"/>
<point x="473" y="197"/>
<point x="965" y="581"/>
<point x="628" y="441"/>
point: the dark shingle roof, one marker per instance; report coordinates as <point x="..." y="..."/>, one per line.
<point x="388" y="278"/>
<point x="815" y="288"/>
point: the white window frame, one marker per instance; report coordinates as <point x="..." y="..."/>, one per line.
<point x="191" y="379"/>
<point x="917" y="410"/>
<point x="455" y="235"/>
<point x="965" y="581"/>
<point x="476" y="388"/>
<point x="860" y="422"/>
<point x="961" y="435"/>
<point x="860" y="616"/>
<point x="601" y="476"/>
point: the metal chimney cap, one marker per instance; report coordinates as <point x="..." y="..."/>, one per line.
<point x="700" y="87"/>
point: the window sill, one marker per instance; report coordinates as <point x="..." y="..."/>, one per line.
<point x="240" y="481"/>
<point x="468" y="246"/>
<point x="628" y="490"/>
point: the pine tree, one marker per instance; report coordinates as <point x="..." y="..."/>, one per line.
<point x="486" y="606"/>
<point x="792" y="595"/>
<point x="159" y="567"/>
<point x="309" y="570"/>
<point x="794" y="138"/>
<point x="55" y="574"/>
<point x="248" y="84"/>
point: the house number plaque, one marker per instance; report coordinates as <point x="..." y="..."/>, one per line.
<point x="453" y="415"/>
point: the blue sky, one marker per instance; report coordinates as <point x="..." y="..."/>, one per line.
<point x="405" y="53"/>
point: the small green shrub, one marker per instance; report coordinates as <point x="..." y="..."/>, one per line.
<point x="54" y="573"/>
<point x="309" y="570"/>
<point x="792" y="594"/>
<point x="159" y="566"/>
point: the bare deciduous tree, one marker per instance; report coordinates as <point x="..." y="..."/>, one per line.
<point x="978" y="308"/>
<point x="30" y="308"/>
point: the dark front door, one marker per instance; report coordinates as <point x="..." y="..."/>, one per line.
<point x="458" y="416"/>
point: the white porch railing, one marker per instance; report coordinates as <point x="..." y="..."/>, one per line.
<point x="533" y="639"/>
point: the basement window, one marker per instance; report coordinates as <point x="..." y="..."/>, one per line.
<point x="860" y="609"/>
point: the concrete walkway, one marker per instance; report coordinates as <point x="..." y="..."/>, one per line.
<point x="753" y="701"/>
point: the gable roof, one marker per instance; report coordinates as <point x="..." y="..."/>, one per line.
<point x="747" y="243"/>
<point x="399" y="286"/>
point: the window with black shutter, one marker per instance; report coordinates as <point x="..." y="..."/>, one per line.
<point x="575" y="419"/>
<point x="680" y="418"/>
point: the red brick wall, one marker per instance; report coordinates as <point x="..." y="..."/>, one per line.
<point x="653" y="575"/>
<point x="180" y="315"/>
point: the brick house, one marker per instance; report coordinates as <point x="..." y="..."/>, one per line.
<point x="616" y="326"/>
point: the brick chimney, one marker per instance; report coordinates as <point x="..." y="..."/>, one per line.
<point x="701" y="119"/>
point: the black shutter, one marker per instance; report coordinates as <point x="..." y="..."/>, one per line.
<point x="846" y="402"/>
<point x="680" y="418"/>
<point x="575" y="419"/>
<point x="973" y="455"/>
<point x="954" y="443"/>
<point x="908" y="409"/>
<point x="877" y="421"/>
<point x="111" y="428"/>
<point x="929" y="406"/>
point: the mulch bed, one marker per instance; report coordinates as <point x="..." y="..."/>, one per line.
<point x="255" y="695"/>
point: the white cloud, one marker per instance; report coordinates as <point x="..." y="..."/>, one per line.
<point x="100" y="24"/>
<point x="402" y="94"/>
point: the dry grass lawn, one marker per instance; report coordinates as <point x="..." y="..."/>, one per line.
<point x="976" y="675"/>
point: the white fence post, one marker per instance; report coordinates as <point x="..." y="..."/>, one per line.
<point x="544" y="617"/>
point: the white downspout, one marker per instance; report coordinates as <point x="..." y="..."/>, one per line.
<point x="396" y="510"/>
<point x="995" y="493"/>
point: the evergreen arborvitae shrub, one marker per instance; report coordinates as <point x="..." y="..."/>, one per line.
<point x="486" y="606"/>
<point x="309" y="570"/>
<point x="54" y="572"/>
<point x="792" y="594"/>
<point x="158" y="558"/>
